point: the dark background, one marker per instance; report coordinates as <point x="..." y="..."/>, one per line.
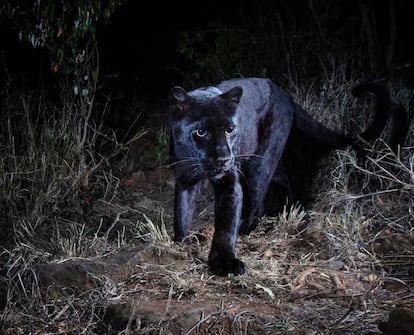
<point x="140" y="44"/>
<point x="138" y="47"/>
<point x="143" y="42"/>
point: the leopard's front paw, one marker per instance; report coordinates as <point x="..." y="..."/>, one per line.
<point x="222" y="266"/>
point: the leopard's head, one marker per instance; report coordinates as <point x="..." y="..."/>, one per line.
<point x="204" y="130"/>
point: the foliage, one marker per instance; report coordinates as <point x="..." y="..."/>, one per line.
<point x="220" y="48"/>
<point x="50" y="166"/>
<point x="276" y="40"/>
<point x="64" y="28"/>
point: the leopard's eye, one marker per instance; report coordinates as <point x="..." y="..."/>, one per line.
<point x="200" y="132"/>
<point x="230" y="130"/>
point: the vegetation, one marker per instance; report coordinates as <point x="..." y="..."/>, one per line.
<point x="85" y="249"/>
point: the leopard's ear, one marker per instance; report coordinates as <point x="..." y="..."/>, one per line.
<point x="233" y="95"/>
<point x="178" y="94"/>
<point x="179" y="99"/>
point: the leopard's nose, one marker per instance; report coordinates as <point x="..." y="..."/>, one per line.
<point x="224" y="162"/>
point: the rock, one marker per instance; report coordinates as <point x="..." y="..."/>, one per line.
<point x="400" y="322"/>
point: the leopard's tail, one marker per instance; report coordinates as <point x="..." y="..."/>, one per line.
<point x="383" y="108"/>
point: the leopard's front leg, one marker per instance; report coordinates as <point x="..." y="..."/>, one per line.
<point x="228" y="205"/>
<point x="184" y="207"/>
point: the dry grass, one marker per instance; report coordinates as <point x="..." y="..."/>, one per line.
<point x="336" y="268"/>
